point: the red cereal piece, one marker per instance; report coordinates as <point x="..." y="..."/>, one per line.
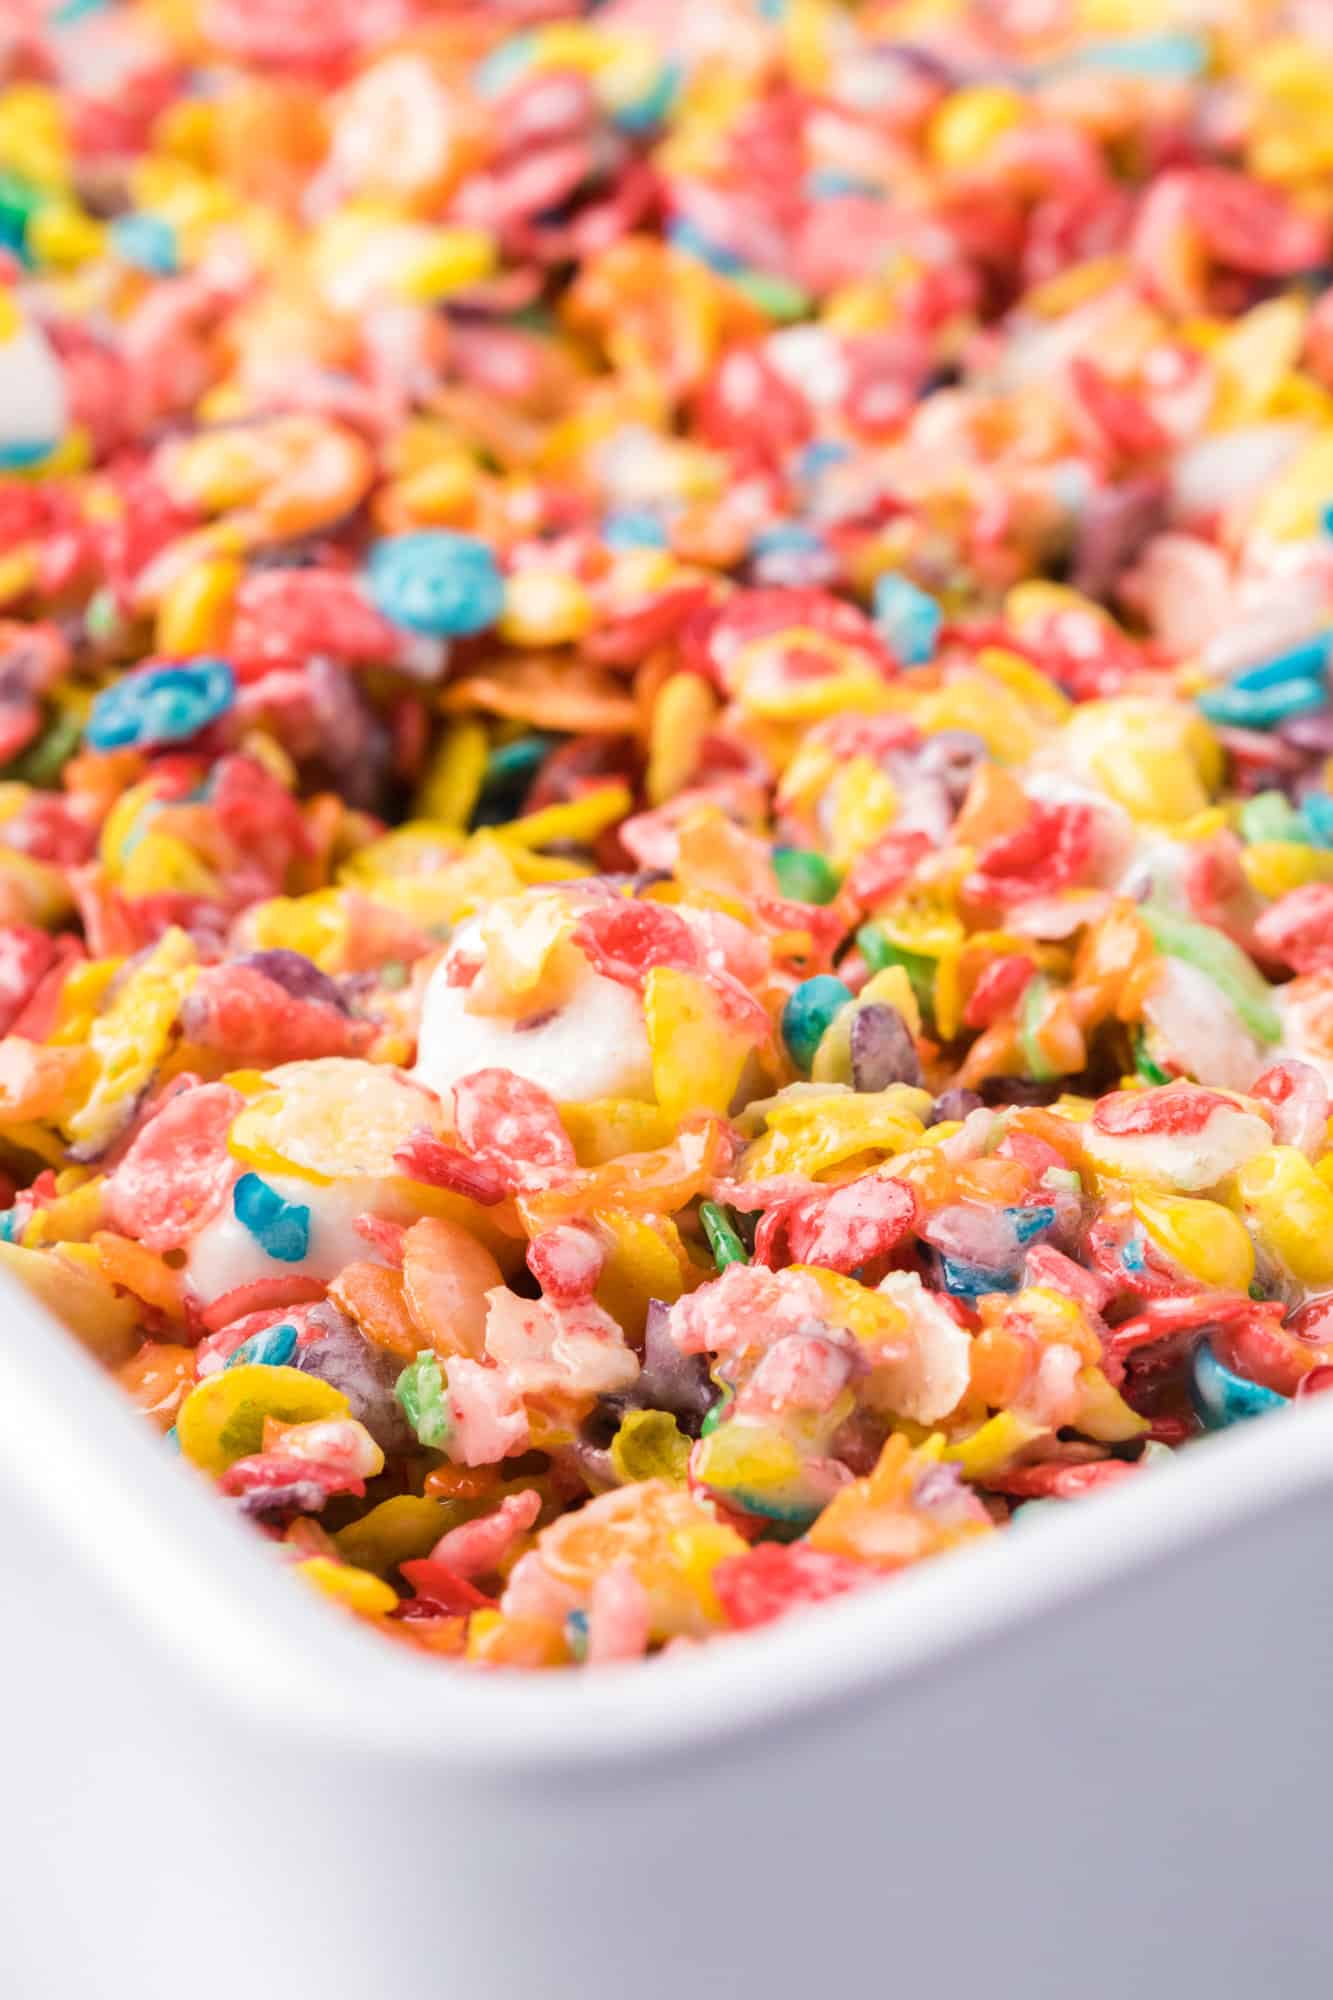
<point x="1297" y="930"/>
<point x="759" y="614"/>
<point x="769" y="1581"/>
<point x="269" y="1295"/>
<point x="566" y="1261"/>
<point x="879" y="873"/>
<point x="1170" y="1319"/>
<point x="177" y="1171"/>
<point x="1000" y="986"/>
<point x="1252" y="227"/>
<point x="1060" y="1482"/>
<point x="624" y="940"/>
<point x="258" y="1024"/>
<point x="1178" y="1110"/>
<point x="842" y="1228"/>
<point x="1049" y="853"/>
<point x="426" y="1158"/>
<point x="435" y="1584"/>
<point x="25" y="955"/>
<point x="273" y="1472"/>
<point x="283" y="616"/>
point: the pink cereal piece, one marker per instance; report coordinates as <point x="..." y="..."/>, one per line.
<point x="1297" y="1097"/>
<point x="478" y="1547"/>
<point x="430" y="1160"/>
<point x="566" y="1261"/>
<point x="852" y="1224"/>
<point x="486" y="1413"/>
<point x="382" y="1235"/>
<point x="618" y="1617"/>
<point x="512" y="1125"/>
<point x="747" y="1308"/>
<point x="177" y="1171"/>
<point x="799" y="1372"/>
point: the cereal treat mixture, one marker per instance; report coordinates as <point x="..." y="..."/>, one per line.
<point x="666" y="848"/>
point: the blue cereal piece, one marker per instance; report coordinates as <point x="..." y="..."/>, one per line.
<point x="1262" y="708"/>
<point x="1317" y="812"/>
<point x="1028" y="1223"/>
<point x="635" y="528"/>
<point x="282" y="1228"/>
<point x="973" y="1281"/>
<point x="909" y="618"/>
<point x="436" y="583"/>
<point x="576" y="1634"/>
<point x="148" y="242"/>
<point x="1220" y="1398"/>
<point x="272" y="1347"/>
<point x="807" y="1014"/>
<point x="156" y="705"/>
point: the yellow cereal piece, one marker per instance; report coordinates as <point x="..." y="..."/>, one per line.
<point x="970" y="121"/>
<point x="453" y="779"/>
<point x="1291" y="507"/>
<point x="1205" y="1238"/>
<point x="697" y="1053"/>
<point x="131" y="1036"/>
<point x="651" y="1445"/>
<point x="1254" y="357"/>
<point x="605" y="1127"/>
<point x="994" y="1446"/>
<point x="81" y="996"/>
<point x="862" y="805"/>
<point x="750" y="1458"/>
<point x="400" y="1529"/>
<point x="581" y="820"/>
<point x="61" y="236"/>
<point x="545" y="607"/>
<point x="695" y="1553"/>
<point x="868" y="1314"/>
<point x="1033" y="689"/>
<point x="1007" y="726"/>
<point x="332" y="1117"/>
<point x="1103" y="1412"/>
<point x="159" y="862"/>
<point x="1272" y="867"/>
<point x="808" y="1135"/>
<point x="71" y="1287"/>
<point x="194" y="611"/>
<point x="646" y="1259"/>
<point x="367" y="1595"/>
<point x="448" y="261"/>
<point x="34" y="892"/>
<point x="684" y="712"/>
<point x="70" y="1218"/>
<point x="1157" y="758"/>
<point x="1292" y="1210"/>
<point x="33" y="143"/>
<point x="223" y="1417"/>
<point x="314" y="925"/>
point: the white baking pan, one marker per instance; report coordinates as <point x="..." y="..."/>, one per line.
<point x="1092" y="1759"/>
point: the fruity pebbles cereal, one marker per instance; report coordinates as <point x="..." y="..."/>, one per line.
<point x="666" y="848"/>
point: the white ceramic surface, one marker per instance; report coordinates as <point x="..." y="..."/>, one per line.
<point x="1088" y="1761"/>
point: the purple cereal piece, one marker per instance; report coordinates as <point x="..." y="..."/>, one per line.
<point x="297" y="975"/>
<point x="883" y="1051"/>
<point x="283" y="1503"/>
<point x="342" y="1357"/>
<point x="668" y="1379"/>
<point x="956" y="1103"/>
<point x="1115" y="524"/>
